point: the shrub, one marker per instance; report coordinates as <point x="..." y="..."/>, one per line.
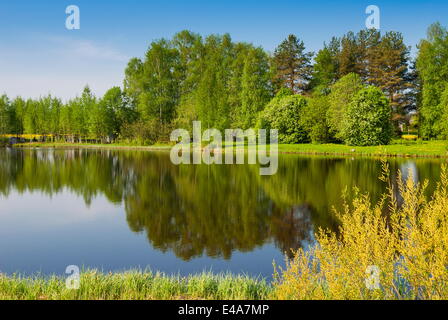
<point x="140" y="132"/>
<point x="367" y="119"/>
<point x="283" y="113"/>
<point x="342" y="93"/>
<point x="314" y="119"/>
<point x="408" y="249"/>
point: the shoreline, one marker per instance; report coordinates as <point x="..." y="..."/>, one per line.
<point x="431" y="149"/>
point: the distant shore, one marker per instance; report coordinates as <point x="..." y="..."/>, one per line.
<point x="402" y="149"/>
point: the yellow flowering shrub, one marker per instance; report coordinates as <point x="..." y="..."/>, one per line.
<point x="398" y="253"/>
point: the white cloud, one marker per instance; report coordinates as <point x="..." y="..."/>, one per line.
<point x="88" y="49"/>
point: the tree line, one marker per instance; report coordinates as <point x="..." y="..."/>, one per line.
<point x="360" y="89"/>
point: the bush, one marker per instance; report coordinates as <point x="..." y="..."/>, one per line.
<point x="342" y="94"/>
<point x="283" y="113"/>
<point x="367" y="119"/>
<point x="314" y="119"/>
<point x="140" y="132"/>
<point x="407" y="252"/>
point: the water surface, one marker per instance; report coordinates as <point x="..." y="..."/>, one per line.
<point x="118" y="210"/>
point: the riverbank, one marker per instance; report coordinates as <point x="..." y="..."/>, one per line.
<point x="135" y="285"/>
<point x="400" y="148"/>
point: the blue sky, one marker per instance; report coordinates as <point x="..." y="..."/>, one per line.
<point x="38" y="55"/>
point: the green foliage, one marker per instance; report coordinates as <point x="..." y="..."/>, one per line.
<point x="4" y="115"/>
<point x="432" y="67"/>
<point x="388" y="71"/>
<point x="444" y="109"/>
<point x="367" y="119"/>
<point x="284" y="113"/>
<point x="379" y="59"/>
<point x="111" y="113"/>
<point x="160" y="87"/>
<point x="140" y="132"/>
<point x="342" y="93"/>
<point x="186" y="113"/>
<point x="212" y="95"/>
<point x="226" y="84"/>
<point x="314" y="119"/>
<point x="256" y="91"/>
<point x="325" y="70"/>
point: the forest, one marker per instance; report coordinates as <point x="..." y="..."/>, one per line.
<point x="360" y="89"/>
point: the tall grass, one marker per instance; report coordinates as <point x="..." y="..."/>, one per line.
<point x="409" y="247"/>
<point x="135" y="285"/>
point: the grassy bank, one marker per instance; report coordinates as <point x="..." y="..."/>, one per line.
<point x="399" y="148"/>
<point x="135" y="285"/>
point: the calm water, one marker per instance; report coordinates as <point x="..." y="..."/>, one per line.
<point x="117" y="210"/>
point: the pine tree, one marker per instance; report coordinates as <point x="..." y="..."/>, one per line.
<point x="388" y="70"/>
<point x="292" y="65"/>
<point x="349" y="55"/>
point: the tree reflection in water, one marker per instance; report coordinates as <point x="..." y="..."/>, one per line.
<point x="194" y="210"/>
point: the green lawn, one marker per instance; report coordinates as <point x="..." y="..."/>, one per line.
<point x="398" y="148"/>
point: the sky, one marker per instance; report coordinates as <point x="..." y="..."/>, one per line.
<point x="40" y="56"/>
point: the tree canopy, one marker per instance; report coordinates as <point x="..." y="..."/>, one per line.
<point x="227" y="84"/>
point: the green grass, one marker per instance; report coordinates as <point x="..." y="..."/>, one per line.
<point x="135" y="285"/>
<point x="399" y="148"/>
